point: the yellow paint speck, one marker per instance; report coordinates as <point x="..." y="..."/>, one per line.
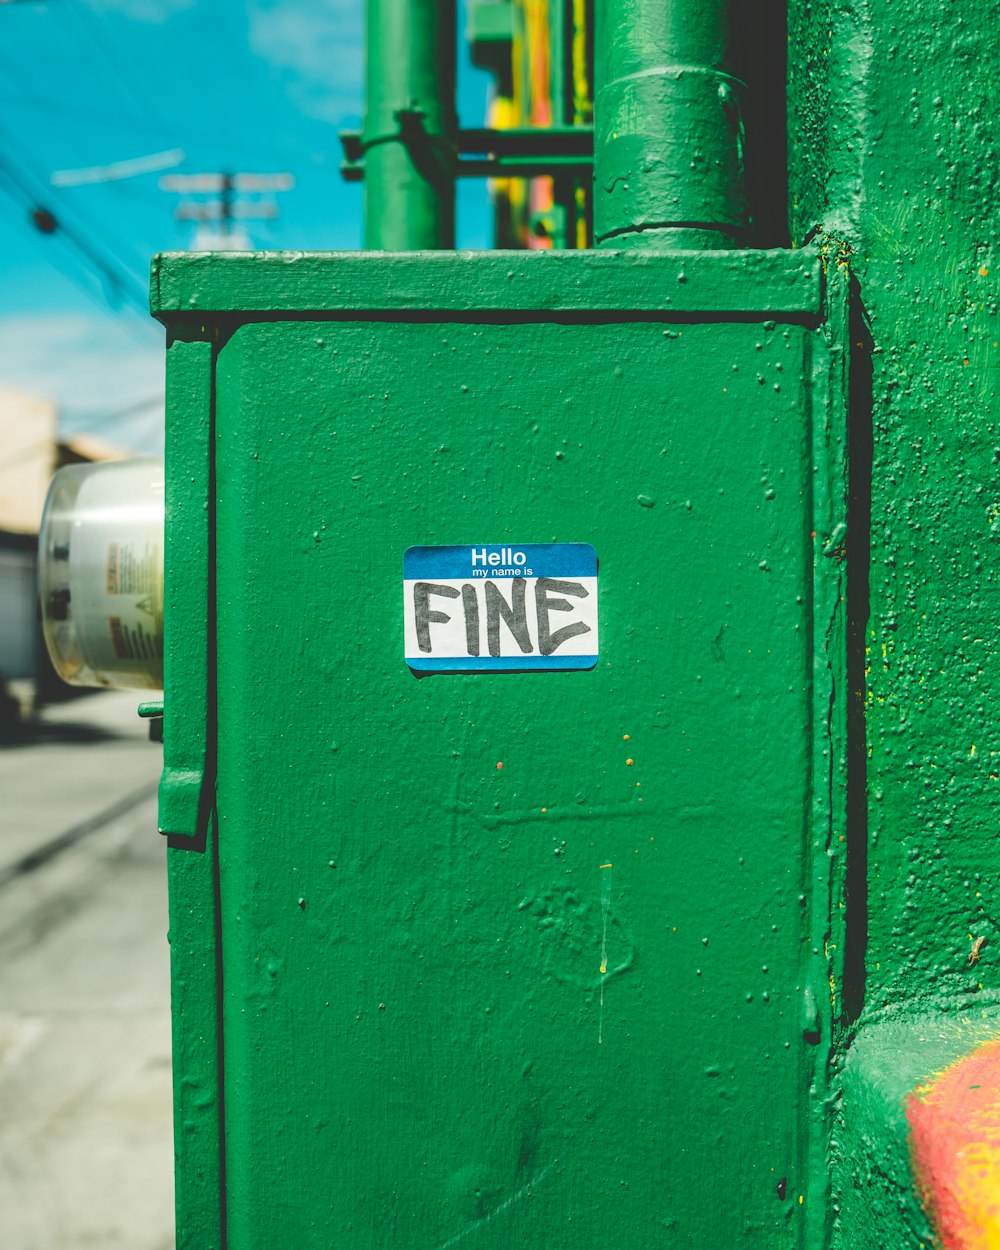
<point x="801" y="1199"/>
<point x="606" y="865"/>
<point x="629" y="763"/>
<point x="972" y="751"/>
<point x="625" y="737"/>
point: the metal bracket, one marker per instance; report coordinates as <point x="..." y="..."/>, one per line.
<point x="153" y="712"/>
<point x="519" y="152"/>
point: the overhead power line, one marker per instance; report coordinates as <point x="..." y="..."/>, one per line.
<point x="120" y="283"/>
<point x="117" y="170"/>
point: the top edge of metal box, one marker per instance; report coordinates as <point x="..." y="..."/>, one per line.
<point x="754" y="284"/>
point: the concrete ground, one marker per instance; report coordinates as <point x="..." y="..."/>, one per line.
<point x="85" y="1102"/>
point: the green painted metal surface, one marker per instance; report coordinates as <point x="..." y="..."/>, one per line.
<point x="185" y="792"/>
<point x="511" y="959"/>
<point x="187" y="788"/>
<point x="409" y="134"/>
<point x="893" y="159"/>
<point x="668" y="119"/>
<point x="188" y="287"/>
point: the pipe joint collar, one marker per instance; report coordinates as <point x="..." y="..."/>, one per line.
<point x="668" y="155"/>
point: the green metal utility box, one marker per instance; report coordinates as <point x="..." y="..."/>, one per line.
<point x="504" y="954"/>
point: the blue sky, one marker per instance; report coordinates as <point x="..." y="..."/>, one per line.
<point x="260" y="86"/>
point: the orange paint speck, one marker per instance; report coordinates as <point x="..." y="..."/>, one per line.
<point x="545" y="809"/>
<point x="499" y="763"/>
<point x="629" y="763"/>
<point x="625" y="737"/>
<point x="983" y="271"/>
<point x="955" y="1148"/>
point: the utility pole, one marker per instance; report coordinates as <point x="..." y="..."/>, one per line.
<point x="219" y="220"/>
<point x="410" y="131"/>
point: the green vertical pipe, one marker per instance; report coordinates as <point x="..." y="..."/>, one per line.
<point x="410" y="125"/>
<point x="668" y="142"/>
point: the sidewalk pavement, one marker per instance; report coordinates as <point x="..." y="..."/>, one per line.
<point x="85" y="1101"/>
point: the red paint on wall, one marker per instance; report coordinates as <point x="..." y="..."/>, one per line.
<point x="955" y="1147"/>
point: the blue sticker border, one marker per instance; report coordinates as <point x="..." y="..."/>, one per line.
<point x="502" y="663"/>
<point x="544" y="560"/>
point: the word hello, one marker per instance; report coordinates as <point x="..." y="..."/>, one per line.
<point x="503" y="563"/>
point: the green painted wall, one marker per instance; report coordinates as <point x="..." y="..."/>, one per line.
<point x="894" y="158"/>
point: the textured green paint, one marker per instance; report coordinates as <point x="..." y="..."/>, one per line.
<point x="894" y="154"/>
<point x="668" y="127"/>
<point x="194" y="962"/>
<point x="183" y="797"/>
<point x="186" y="796"/>
<point x="410" y="126"/>
<point x="419" y="1045"/>
<point x="531" y="283"/>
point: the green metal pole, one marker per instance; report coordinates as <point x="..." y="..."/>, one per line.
<point x="410" y="125"/>
<point x="668" y="142"/>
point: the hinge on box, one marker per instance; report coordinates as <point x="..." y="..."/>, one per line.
<point x="181" y="788"/>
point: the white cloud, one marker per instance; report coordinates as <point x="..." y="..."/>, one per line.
<point x="319" y="46"/>
<point x="153" y="11"/>
<point x="93" y="368"/>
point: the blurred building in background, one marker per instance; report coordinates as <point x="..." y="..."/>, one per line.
<point x="540" y="55"/>
<point x="30" y="452"/>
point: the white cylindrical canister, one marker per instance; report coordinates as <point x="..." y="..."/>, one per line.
<point x="100" y="574"/>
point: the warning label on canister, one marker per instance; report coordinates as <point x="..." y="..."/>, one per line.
<point x="490" y="607"/>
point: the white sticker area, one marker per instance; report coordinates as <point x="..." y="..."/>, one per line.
<point x="487" y="607"/>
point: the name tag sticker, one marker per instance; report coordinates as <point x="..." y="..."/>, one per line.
<point x="489" y="608"/>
